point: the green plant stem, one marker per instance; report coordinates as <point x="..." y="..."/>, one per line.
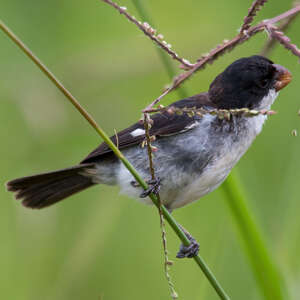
<point x="172" y="222"/>
<point x="266" y="273"/>
<point x="169" y="67"/>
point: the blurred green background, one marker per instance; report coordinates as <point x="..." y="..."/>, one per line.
<point x="102" y="245"/>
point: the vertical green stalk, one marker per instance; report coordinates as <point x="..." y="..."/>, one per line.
<point x="265" y="271"/>
<point x="261" y="261"/>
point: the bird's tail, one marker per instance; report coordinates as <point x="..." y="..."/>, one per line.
<point x="45" y="189"/>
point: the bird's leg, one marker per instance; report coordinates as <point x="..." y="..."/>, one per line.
<point x="184" y="251"/>
<point x="154" y="187"/>
<point x="188" y="251"/>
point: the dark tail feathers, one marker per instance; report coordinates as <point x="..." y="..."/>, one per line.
<point x="45" y="189"/>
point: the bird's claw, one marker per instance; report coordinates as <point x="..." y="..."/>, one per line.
<point x="154" y="187"/>
<point x="188" y="251"/>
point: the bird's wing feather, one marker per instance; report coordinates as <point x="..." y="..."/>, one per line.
<point x="164" y="124"/>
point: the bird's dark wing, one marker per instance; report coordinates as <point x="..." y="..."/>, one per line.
<point x="164" y="124"/>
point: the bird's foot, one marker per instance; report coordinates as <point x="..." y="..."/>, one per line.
<point x="154" y="187"/>
<point x="188" y="251"/>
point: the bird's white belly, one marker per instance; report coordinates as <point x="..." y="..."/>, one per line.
<point x="208" y="181"/>
<point x="216" y="171"/>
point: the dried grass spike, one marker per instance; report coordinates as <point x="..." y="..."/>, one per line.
<point x="150" y="32"/>
<point x="284" y="40"/>
<point x="255" y="7"/>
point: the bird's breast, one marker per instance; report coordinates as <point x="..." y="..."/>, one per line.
<point x="229" y="149"/>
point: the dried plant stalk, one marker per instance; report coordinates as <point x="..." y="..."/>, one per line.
<point x="225" y="47"/>
<point x="283" y="40"/>
<point x="221" y="113"/>
<point x="151" y="33"/>
<point x="255" y="7"/>
<point x="284" y="25"/>
<point x="167" y="262"/>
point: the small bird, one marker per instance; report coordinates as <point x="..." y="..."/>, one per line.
<point x="195" y="152"/>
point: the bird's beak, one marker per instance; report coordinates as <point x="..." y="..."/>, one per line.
<point x="283" y="77"/>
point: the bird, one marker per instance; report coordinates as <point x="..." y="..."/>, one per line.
<point x="194" y="152"/>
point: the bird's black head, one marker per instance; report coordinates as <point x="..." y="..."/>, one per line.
<point x="247" y="82"/>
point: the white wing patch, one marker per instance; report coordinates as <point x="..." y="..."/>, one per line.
<point x="137" y="132"/>
<point x="190" y="126"/>
<point x="186" y="128"/>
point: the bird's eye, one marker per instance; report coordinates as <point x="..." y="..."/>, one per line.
<point x="263" y="83"/>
